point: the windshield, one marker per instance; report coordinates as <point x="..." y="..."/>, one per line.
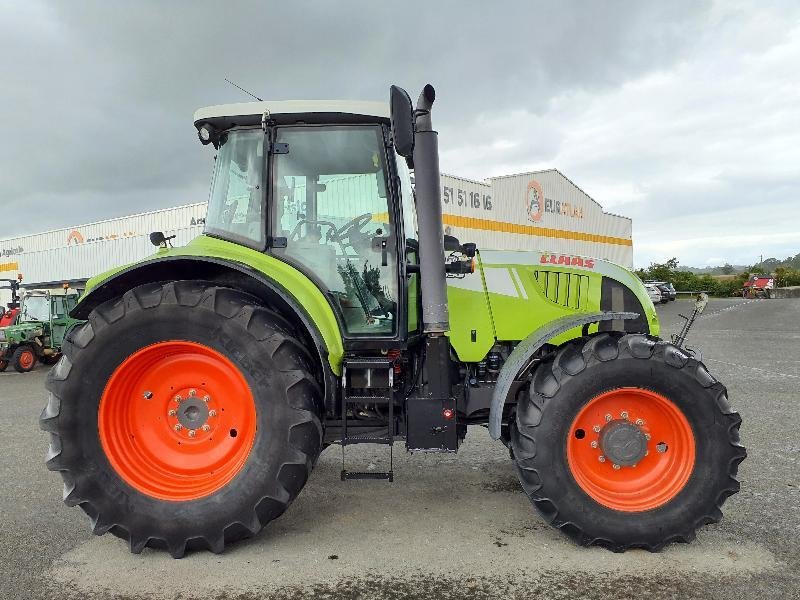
<point x="35" y="308"/>
<point x="235" y="204"/>
<point x="330" y="203"/>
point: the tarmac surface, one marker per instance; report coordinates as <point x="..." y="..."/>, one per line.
<point x="449" y="526"/>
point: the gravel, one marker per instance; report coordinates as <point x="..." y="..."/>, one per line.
<point x="449" y="526"/>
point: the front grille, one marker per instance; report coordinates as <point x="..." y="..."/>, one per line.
<point x="565" y="289"/>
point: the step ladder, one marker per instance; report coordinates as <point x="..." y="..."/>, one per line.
<point x="373" y="377"/>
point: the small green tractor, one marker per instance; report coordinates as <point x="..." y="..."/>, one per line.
<point x="324" y="306"/>
<point x="38" y="330"/>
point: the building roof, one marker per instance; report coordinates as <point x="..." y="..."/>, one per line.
<point x="277" y="107"/>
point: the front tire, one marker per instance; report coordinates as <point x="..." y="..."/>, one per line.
<point x="23" y="359"/>
<point x="182" y="416"/>
<point x="626" y="442"/>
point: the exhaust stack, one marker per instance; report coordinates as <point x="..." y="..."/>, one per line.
<point x="435" y="316"/>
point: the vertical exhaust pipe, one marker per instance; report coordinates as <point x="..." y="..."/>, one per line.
<point x="433" y="285"/>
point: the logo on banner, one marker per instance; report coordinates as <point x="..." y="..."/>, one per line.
<point x="535" y="201"/>
<point x="75" y="237"/>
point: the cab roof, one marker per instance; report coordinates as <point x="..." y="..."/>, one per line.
<point x="224" y="116"/>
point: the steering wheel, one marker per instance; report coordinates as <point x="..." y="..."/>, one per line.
<point x="351" y="228"/>
<point x="295" y="235"/>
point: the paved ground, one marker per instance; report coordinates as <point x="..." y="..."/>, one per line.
<point x="450" y="527"/>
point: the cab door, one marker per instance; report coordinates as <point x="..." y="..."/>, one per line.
<point x="332" y="212"/>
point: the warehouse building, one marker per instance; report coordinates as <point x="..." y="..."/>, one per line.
<point x="541" y="210"/>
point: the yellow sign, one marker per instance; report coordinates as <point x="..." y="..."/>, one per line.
<point x="12" y="266"/>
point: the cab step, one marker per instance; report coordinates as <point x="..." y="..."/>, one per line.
<point x="367" y="380"/>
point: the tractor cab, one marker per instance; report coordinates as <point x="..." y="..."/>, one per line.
<point x="319" y="186"/>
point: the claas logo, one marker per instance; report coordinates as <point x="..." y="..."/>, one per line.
<point x="566" y="260"/>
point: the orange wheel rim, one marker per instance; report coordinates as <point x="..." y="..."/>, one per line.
<point x="26" y="359"/>
<point x="177" y="420"/>
<point x="631" y="449"/>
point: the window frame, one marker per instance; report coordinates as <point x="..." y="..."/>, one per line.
<point x="227" y="235"/>
<point x="356" y="341"/>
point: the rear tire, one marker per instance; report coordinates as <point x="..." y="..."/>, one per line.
<point x="193" y="336"/>
<point x="657" y="494"/>
<point x="23" y="359"/>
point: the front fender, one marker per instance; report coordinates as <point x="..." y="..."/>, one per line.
<point x="213" y="260"/>
<point x="520" y="358"/>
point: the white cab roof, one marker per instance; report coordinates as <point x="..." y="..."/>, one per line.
<point x="376" y="109"/>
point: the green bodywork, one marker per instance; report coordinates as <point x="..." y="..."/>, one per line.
<point x="44" y="333"/>
<point x="514" y="293"/>
<point x="510" y="295"/>
<point x="304" y="291"/>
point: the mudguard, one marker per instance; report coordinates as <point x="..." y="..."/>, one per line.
<point x="520" y="358"/>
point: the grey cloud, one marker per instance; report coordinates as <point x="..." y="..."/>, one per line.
<point x="99" y="96"/>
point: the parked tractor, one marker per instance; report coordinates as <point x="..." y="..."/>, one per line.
<point x="38" y="331"/>
<point x="323" y="306"/>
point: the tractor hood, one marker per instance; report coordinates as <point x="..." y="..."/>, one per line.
<point x="516" y="292"/>
<point x="22" y="332"/>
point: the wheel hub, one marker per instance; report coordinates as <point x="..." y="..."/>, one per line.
<point x="192" y="413"/>
<point x="623" y="443"/>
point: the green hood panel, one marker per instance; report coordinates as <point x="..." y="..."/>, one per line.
<point x="303" y="290"/>
<point x="516" y="292"/>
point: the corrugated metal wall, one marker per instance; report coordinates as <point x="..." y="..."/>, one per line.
<point x="77" y="253"/>
<point x="542" y="210"/>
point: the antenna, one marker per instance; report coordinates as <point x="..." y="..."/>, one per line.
<point x="244" y="90"/>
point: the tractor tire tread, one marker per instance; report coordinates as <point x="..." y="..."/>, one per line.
<point x="287" y="352"/>
<point x="570" y="360"/>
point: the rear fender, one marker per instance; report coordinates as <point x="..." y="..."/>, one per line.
<point x="232" y="274"/>
<point x="521" y="358"/>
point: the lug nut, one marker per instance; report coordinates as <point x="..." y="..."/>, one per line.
<point x="178" y="399"/>
<point x="594" y="444"/>
<point x="601" y="458"/>
<point x="639" y="422"/>
<point x="647" y="436"/>
<point x="193" y="392"/>
<point x="206" y="398"/>
<point x="608" y="417"/>
<point x="616" y="467"/>
<point x="596" y="428"/>
<point x="212" y="413"/>
<point x="192" y="433"/>
<point x="624" y="414"/>
<point x="206" y="427"/>
<point x="178" y="426"/>
<point x="172" y="412"/>
<point x="147" y="395"/>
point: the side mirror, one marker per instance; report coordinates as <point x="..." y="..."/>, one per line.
<point x="159" y="240"/>
<point x="402" y="114"/>
<point x="451" y="244"/>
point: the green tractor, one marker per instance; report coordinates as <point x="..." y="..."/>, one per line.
<point x="38" y="331"/>
<point x="324" y="306"/>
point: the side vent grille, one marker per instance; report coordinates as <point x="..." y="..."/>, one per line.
<point x="565" y="289"/>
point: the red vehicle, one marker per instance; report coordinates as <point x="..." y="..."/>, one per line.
<point x="8" y="315"/>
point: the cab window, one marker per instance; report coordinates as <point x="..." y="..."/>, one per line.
<point x="331" y="204"/>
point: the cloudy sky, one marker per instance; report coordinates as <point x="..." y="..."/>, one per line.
<point x="684" y="116"/>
